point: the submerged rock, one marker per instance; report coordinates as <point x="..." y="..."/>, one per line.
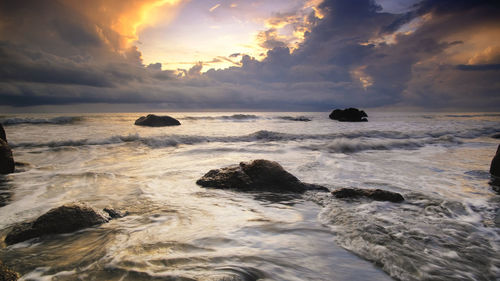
<point x="64" y="219"/>
<point x="349" y="115"/>
<point x="375" y="194"/>
<point x="256" y="175"/>
<point x="3" y="136"/>
<point x="157" y="121"/>
<point x="7" y="165"/>
<point x="7" y="274"/>
<point x="495" y="164"/>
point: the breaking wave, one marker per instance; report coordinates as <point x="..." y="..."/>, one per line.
<point x="348" y="142"/>
<point x="246" y="117"/>
<point x="61" y="120"/>
<point x="422" y="239"/>
<point x="234" y="117"/>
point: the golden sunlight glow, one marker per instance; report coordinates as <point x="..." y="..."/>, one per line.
<point x="406" y="29"/>
<point x="365" y="79"/>
<point x="214" y="7"/>
<point x="313" y="4"/>
<point x="128" y="24"/>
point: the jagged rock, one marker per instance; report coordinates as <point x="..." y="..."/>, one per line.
<point x="375" y="194"/>
<point x="157" y="121"/>
<point x="257" y="175"/>
<point x="495" y="164"/>
<point x="64" y="219"/>
<point x="7" y="165"/>
<point x="349" y="115"/>
<point x="7" y="274"/>
<point x="3" y="136"/>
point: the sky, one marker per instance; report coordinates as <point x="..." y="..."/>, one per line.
<point x="282" y="55"/>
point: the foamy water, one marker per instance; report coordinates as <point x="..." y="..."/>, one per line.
<point x="176" y="230"/>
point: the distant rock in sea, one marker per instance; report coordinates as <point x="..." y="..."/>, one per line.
<point x="64" y="219"/>
<point x="3" y="136"/>
<point x="256" y="175"/>
<point x="157" y="121"/>
<point x="374" y="194"/>
<point x="495" y="164"/>
<point x="349" y="115"/>
<point x="7" y="274"/>
<point x="496" y="136"/>
<point x="7" y="165"/>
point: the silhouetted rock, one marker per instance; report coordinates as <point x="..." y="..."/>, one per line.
<point x="6" y="159"/>
<point x="496" y="136"/>
<point x="7" y="274"/>
<point x="495" y="164"/>
<point x="257" y="175"/>
<point x="375" y="194"/>
<point x="3" y="136"/>
<point x="64" y="219"/>
<point x="114" y="214"/>
<point x="349" y="115"/>
<point x="157" y="121"/>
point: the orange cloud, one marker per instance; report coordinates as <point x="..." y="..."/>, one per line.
<point x="125" y="17"/>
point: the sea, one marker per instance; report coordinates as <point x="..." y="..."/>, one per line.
<point x="448" y="227"/>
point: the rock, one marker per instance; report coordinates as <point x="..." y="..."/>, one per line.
<point x="3" y="136"/>
<point x="257" y="175"/>
<point x="495" y="164"/>
<point x="7" y="274"/>
<point x="64" y="219"/>
<point x="114" y="214"/>
<point x="375" y="194"/>
<point x="496" y="136"/>
<point x="349" y="115"/>
<point x="157" y="121"/>
<point x="7" y="165"/>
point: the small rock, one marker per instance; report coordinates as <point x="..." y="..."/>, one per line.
<point x="114" y="214"/>
<point x="6" y="159"/>
<point x="349" y="115"/>
<point x="496" y="136"/>
<point x="495" y="164"/>
<point x="3" y="136"/>
<point x="157" y="121"/>
<point x="257" y="175"/>
<point x="64" y="219"/>
<point x="375" y="194"/>
<point x="7" y="274"/>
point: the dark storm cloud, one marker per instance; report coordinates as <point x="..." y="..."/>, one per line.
<point x="356" y="55"/>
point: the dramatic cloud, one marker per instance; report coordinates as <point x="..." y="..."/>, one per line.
<point x="321" y="54"/>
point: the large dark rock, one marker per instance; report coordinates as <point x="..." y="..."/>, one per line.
<point x="3" y="136"/>
<point x="257" y="175"/>
<point x="64" y="219"/>
<point x="157" y="121"/>
<point x="349" y="115"/>
<point x="7" y="274"/>
<point x="375" y="194"/>
<point x="495" y="164"/>
<point x="7" y="164"/>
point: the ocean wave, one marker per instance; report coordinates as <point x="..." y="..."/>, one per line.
<point x="246" y="117"/>
<point x="294" y="118"/>
<point x="61" y="120"/>
<point x="344" y="145"/>
<point x="336" y="142"/>
<point x="473" y="115"/>
<point x="424" y="236"/>
<point x="234" y="117"/>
